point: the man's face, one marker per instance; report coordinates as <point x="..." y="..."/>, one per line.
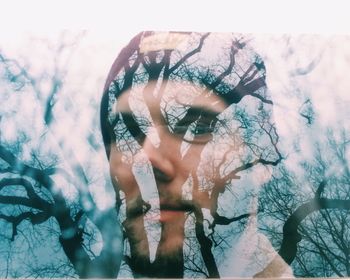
<point x="177" y="149"/>
<point x="178" y="131"/>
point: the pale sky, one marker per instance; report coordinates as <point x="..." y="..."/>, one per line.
<point x="276" y="16"/>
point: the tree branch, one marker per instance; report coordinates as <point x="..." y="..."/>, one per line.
<point x="189" y="54"/>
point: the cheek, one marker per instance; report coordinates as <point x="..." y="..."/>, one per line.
<point x="122" y="173"/>
<point x="206" y="171"/>
<point x="192" y="161"/>
<point x="217" y="160"/>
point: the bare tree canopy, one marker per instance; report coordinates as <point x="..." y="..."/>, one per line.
<point x="227" y="156"/>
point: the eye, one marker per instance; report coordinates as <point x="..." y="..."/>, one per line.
<point x="137" y="133"/>
<point x="197" y="132"/>
<point x="202" y="128"/>
<point x="180" y="130"/>
<point x="196" y="126"/>
<point x="133" y="127"/>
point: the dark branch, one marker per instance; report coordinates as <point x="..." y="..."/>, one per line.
<point x="291" y="237"/>
<point x="221" y="220"/>
<point x="191" y="53"/>
<point x="205" y="246"/>
<point x="35" y="219"/>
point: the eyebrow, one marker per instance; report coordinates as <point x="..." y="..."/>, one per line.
<point x="193" y="114"/>
<point x="196" y="112"/>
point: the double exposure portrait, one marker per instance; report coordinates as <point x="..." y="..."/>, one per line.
<point x="182" y="117"/>
<point x="175" y="155"/>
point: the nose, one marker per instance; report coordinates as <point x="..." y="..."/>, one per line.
<point x="162" y="158"/>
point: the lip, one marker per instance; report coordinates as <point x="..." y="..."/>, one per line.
<point x="164" y="215"/>
<point x="173" y="212"/>
<point x="168" y="212"/>
<point x="182" y="207"/>
<point x="171" y="216"/>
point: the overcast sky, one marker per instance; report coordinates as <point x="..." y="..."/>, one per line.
<point x="224" y="15"/>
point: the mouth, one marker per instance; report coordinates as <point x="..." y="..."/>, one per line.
<point x="169" y="211"/>
<point x="164" y="210"/>
<point x="167" y="216"/>
<point x="174" y="211"/>
<point x="179" y="207"/>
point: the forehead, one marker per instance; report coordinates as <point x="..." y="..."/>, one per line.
<point x="169" y="96"/>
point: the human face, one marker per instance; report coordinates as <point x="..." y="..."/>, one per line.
<point x="172" y="128"/>
<point x="193" y="144"/>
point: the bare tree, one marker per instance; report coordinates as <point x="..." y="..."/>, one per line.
<point x="312" y="231"/>
<point x="35" y="206"/>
